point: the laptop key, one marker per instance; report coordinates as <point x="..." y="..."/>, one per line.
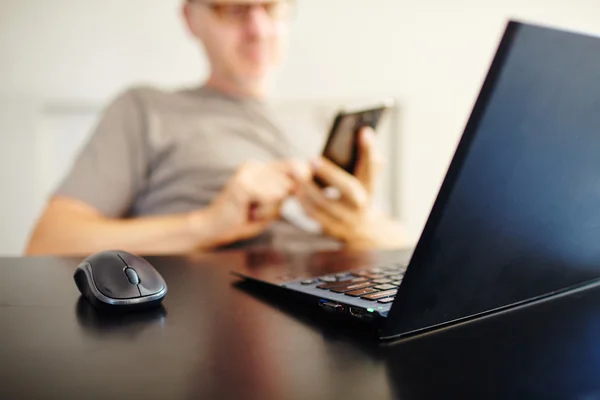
<point x="386" y="300"/>
<point x="308" y="282"/>
<point x="341" y="283"/>
<point x="395" y="277"/>
<point x="375" y="270"/>
<point x="382" y="281"/>
<point x="380" y="295"/>
<point x="328" y="279"/>
<point x="343" y="275"/>
<point x="397" y="283"/>
<point x="397" y="267"/>
<point x="348" y="288"/>
<point x="375" y="276"/>
<point x="361" y="292"/>
<point x="385" y="287"/>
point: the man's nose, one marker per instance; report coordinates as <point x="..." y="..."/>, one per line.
<point x="258" y="23"/>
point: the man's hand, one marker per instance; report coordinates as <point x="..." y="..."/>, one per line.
<point x="71" y="227"/>
<point x="251" y="199"/>
<point x="349" y="216"/>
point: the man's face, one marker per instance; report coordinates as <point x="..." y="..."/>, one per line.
<point x="244" y="39"/>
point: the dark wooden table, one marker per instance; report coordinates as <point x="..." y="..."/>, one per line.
<point x="213" y="340"/>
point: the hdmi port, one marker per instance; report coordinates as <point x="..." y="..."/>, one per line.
<point x="356" y="312"/>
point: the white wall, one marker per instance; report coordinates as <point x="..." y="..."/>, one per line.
<point x="430" y="54"/>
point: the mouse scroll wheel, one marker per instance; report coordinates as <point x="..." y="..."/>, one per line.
<point x="133" y="277"/>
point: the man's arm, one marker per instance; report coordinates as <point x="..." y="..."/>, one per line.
<point x="71" y="227"/>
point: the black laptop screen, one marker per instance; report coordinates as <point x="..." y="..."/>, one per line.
<point x="518" y="215"/>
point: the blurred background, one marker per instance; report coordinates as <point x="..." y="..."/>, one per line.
<point x="62" y="60"/>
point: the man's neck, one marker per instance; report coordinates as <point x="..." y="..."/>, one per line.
<point x="236" y="90"/>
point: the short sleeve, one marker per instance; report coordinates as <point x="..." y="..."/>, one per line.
<point x="110" y="170"/>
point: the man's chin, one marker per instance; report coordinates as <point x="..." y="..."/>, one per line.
<point x="256" y="77"/>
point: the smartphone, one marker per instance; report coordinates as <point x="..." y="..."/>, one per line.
<point x="342" y="146"/>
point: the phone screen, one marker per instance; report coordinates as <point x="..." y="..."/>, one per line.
<point x="342" y="145"/>
<point x="340" y="149"/>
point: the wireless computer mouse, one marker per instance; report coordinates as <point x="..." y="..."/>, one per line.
<point x="120" y="281"/>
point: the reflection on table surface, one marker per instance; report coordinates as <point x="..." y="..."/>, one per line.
<point x="217" y="338"/>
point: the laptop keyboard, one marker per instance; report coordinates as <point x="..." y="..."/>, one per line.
<point x="375" y="284"/>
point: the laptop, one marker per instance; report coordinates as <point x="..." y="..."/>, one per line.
<point x="517" y="217"/>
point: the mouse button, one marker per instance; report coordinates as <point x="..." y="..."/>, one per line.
<point x="150" y="284"/>
<point x="112" y="282"/>
<point x="103" y="258"/>
<point x="132" y="276"/>
<point x="128" y="258"/>
<point x="144" y="291"/>
<point x="150" y="280"/>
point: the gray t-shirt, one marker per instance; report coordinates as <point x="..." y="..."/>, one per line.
<point x="156" y="152"/>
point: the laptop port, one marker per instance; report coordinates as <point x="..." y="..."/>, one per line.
<point x="361" y="313"/>
<point x="331" y="306"/>
<point x="356" y="312"/>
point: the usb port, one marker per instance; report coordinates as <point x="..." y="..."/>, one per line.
<point x="331" y="306"/>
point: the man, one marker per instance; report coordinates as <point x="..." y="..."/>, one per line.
<point x="207" y="168"/>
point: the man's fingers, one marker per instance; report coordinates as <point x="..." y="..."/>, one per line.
<point x="311" y="193"/>
<point x="296" y="169"/>
<point x="350" y="188"/>
<point x="331" y="225"/>
<point x="267" y="190"/>
<point x="264" y="211"/>
<point x="369" y="163"/>
<point x="266" y="183"/>
<point x="274" y="187"/>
